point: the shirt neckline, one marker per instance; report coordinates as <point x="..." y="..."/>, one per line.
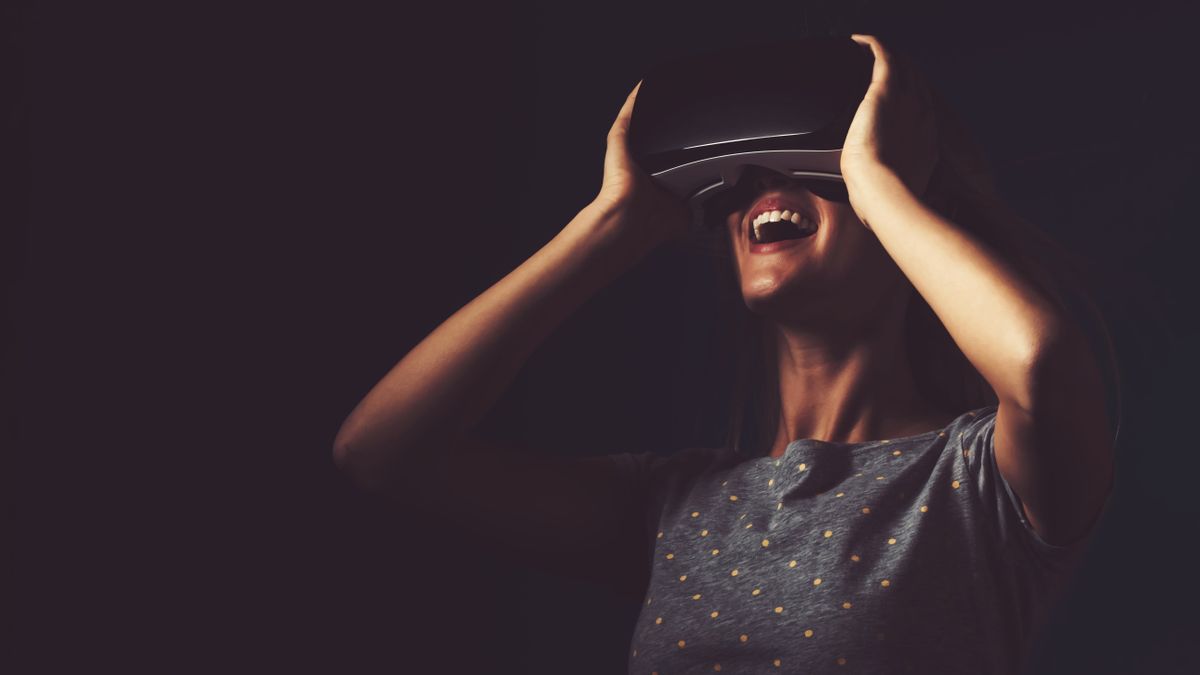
<point x="801" y="445"/>
<point x="818" y="443"/>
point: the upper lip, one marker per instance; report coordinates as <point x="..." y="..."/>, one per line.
<point x="776" y="201"/>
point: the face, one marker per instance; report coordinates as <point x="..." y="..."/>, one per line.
<point x="839" y="271"/>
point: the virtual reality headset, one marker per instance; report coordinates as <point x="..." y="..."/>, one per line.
<point x="700" y="121"/>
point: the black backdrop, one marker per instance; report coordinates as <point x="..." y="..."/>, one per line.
<point x="223" y="222"/>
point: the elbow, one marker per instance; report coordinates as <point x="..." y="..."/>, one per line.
<point x="364" y="473"/>
<point x="346" y="461"/>
<point x="342" y="456"/>
<point x="349" y="461"/>
<point x="1067" y="369"/>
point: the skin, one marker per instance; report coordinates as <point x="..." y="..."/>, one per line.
<point x="834" y="309"/>
<point x="834" y="304"/>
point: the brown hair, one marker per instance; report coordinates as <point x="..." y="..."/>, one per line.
<point x="963" y="190"/>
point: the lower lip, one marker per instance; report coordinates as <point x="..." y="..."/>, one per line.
<point x="777" y="245"/>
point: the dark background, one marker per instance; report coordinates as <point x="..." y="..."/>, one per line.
<point x="224" y="222"/>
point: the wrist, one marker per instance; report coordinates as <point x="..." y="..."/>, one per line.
<point x="875" y="189"/>
<point x="609" y="235"/>
<point x="619" y="226"/>
<point x="865" y="174"/>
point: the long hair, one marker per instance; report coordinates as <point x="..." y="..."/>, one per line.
<point x="963" y="190"/>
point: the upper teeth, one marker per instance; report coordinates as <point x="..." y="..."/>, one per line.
<point x="772" y="216"/>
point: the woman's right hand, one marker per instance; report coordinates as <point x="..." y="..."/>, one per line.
<point x="643" y="205"/>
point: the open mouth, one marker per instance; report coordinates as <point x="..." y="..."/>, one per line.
<point x="772" y="226"/>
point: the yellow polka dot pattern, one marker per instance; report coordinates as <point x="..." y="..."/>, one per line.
<point x="790" y="488"/>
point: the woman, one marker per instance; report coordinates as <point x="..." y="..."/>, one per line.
<point x="860" y="519"/>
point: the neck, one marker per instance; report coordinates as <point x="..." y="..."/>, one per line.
<point x="848" y="383"/>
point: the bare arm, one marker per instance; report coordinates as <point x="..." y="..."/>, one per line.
<point x="410" y="439"/>
<point x="1052" y="441"/>
<point x="449" y="381"/>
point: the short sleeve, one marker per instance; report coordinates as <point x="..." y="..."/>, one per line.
<point x="634" y="468"/>
<point x="1001" y="505"/>
<point x="637" y="470"/>
<point x="654" y="477"/>
<point x="652" y="473"/>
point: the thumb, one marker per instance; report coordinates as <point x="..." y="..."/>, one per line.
<point x="621" y="125"/>
<point x="617" y="160"/>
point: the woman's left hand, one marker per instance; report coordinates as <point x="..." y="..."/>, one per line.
<point x="894" y="129"/>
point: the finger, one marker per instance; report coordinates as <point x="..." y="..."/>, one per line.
<point x="621" y="124"/>
<point x="881" y="71"/>
<point x="888" y="72"/>
<point x="899" y="67"/>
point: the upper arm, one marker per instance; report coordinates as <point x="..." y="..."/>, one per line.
<point x="576" y="517"/>
<point x="1057" y="455"/>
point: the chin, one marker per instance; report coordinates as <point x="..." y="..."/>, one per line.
<point x="772" y="295"/>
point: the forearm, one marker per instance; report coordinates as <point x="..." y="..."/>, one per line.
<point x="1000" y="320"/>
<point x="449" y="380"/>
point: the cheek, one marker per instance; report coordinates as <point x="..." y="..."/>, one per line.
<point x="733" y="237"/>
<point x="735" y="255"/>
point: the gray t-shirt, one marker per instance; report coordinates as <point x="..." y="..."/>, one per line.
<point x="906" y="555"/>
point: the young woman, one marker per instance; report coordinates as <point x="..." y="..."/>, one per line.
<point x="920" y="447"/>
